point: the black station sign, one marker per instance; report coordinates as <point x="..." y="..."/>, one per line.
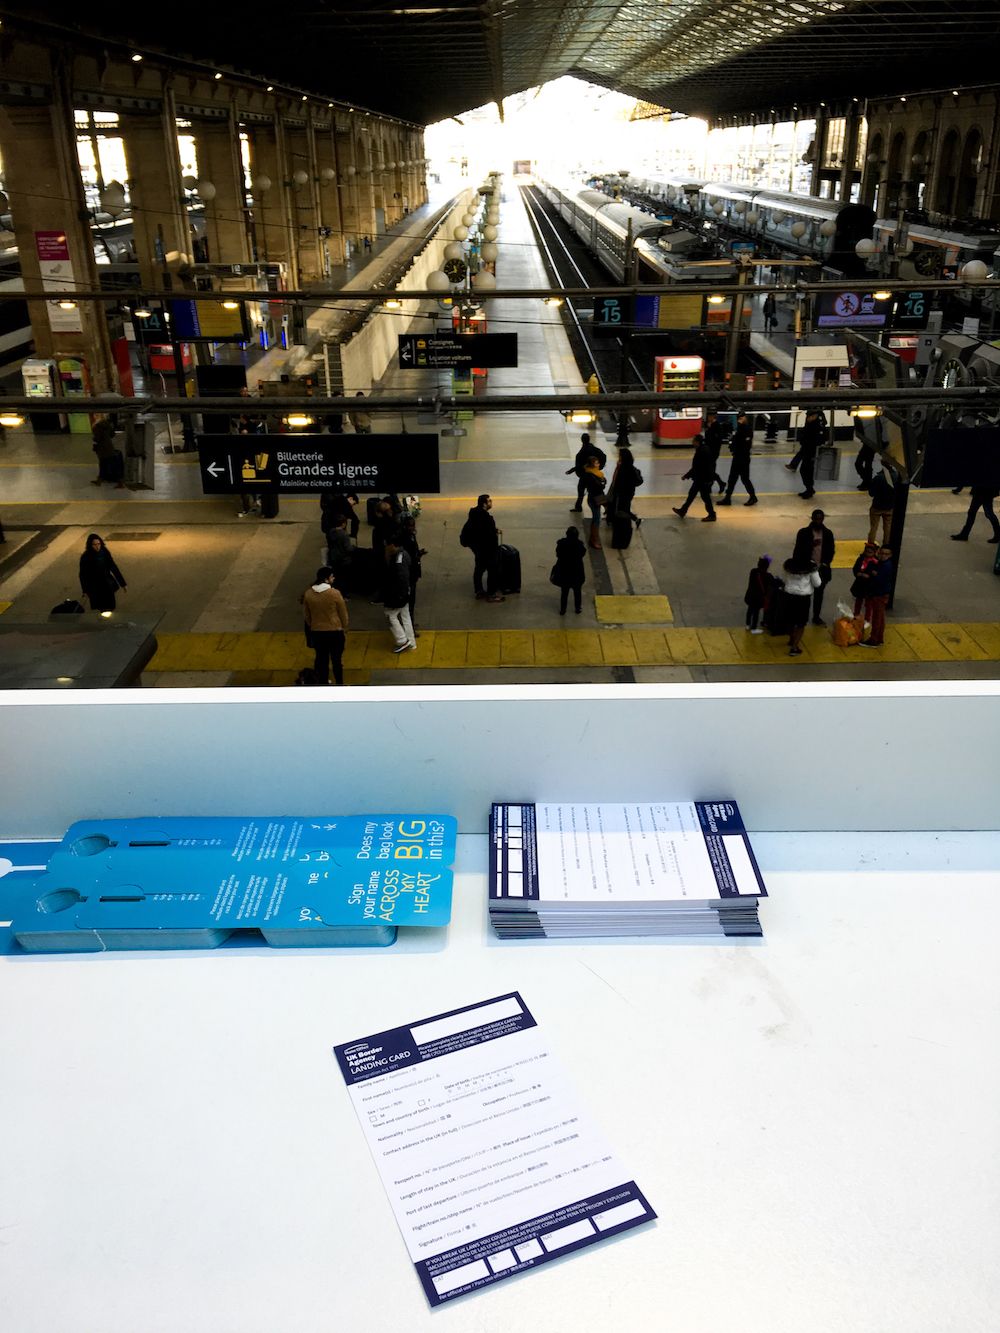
<point x="456" y="351"/>
<point x="305" y="464"/>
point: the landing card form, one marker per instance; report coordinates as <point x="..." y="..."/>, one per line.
<point x="489" y="1166"/>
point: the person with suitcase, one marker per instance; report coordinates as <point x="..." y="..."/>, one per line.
<point x="479" y="534"/>
<point x="100" y="577"/>
<point x="621" y="494"/>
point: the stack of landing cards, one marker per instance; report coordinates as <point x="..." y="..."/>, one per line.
<point x="671" y="868"/>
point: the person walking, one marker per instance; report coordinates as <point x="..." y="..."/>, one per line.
<point x="480" y="535"/>
<point x="815" y="544"/>
<point x="882" y="490"/>
<point x="570" y="570"/>
<point x="325" y="613"/>
<point x="863" y="463"/>
<point x="716" y="433"/>
<point x="701" y="474"/>
<point x="739" y="469"/>
<point x="877" y="598"/>
<point x="586" y="451"/>
<point x="981" y="497"/>
<point x="801" y="580"/>
<point x="625" y="479"/>
<point x="360" y="419"/>
<point x="810" y="436"/>
<point x="100" y="577"/>
<point x="760" y="587"/>
<point x="396" y="594"/>
<point x="770" y="310"/>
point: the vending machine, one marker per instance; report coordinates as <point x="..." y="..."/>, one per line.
<point x="673" y="376"/>
<point x="39" y="380"/>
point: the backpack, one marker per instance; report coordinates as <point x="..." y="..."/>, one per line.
<point x="464" y="537"/>
<point x="637" y="476"/>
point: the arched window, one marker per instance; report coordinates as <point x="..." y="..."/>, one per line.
<point x="944" y="195"/>
<point x="968" y="174"/>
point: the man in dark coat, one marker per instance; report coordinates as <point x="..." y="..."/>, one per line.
<point x="585" y="452"/>
<point x="981" y="497"/>
<point x="815" y="544"/>
<point x="810" y="436"/>
<point x="701" y="474"/>
<point x="739" y="470"/>
<point x="480" y="535"/>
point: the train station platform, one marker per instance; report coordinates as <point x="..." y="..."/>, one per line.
<point x="223" y="592"/>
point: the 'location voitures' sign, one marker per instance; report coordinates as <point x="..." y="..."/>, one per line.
<point x="305" y="464"/>
<point x="455" y="351"/>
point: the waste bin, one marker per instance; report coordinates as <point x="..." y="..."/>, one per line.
<point x="828" y="463"/>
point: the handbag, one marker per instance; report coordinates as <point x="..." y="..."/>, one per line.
<point x="554" y="575"/>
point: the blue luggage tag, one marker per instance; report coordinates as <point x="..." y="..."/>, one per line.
<point x="195" y="883"/>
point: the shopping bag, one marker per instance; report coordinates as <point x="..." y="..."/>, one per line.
<point x="845" y="632"/>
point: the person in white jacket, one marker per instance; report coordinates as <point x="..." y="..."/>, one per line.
<point x="801" y="577"/>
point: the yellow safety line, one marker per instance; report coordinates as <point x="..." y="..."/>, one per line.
<point x="541" y="649"/>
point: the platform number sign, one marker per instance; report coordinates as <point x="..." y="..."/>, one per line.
<point x="612" y="314"/>
<point x="910" y="310"/>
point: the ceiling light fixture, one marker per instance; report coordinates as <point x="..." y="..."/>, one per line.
<point x="230" y="305"/>
<point x="136" y="58"/>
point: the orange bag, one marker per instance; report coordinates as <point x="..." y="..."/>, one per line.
<point x="845" y="632"/>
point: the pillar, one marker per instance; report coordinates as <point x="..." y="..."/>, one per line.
<point x="329" y="194"/>
<point x="51" y="218"/>
<point x="347" y="187"/>
<point x="300" y="158"/>
<point x="272" y="208"/>
<point x="160" y="220"/>
<point x="219" y="161"/>
<point x="852" y="127"/>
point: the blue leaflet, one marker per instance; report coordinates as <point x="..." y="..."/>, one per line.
<point x="193" y="883"/>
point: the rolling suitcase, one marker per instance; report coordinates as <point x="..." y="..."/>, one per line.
<point x="621" y="531"/>
<point x="269" y="504"/>
<point x="508" y="569"/>
<point x="775" y="617"/>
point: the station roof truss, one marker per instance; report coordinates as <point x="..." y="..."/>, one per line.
<point x="425" y="60"/>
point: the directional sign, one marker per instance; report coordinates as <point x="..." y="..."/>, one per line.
<point x="450" y="351"/>
<point x="307" y="464"/>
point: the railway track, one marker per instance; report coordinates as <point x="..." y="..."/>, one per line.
<point x="570" y="264"/>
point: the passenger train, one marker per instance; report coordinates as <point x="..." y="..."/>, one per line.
<point x="621" y="235"/>
<point x="776" y="222"/>
<point x="823" y="229"/>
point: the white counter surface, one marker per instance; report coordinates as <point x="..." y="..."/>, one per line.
<point x="815" y="1117"/>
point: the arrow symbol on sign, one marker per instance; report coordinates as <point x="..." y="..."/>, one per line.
<point x="406" y="352"/>
<point x="215" y="470"/>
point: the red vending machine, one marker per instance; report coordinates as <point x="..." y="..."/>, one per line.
<point x="675" y="375"/>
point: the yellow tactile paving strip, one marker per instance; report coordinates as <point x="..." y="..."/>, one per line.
<point x="640" y="609"/>
<point x="250" y="656"/>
